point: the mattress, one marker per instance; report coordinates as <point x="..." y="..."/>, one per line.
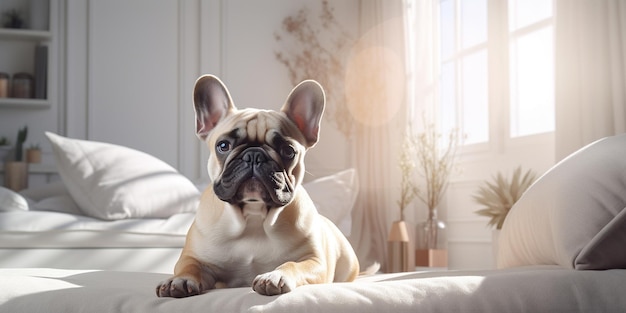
<point x="528" y="289"/>
<point x="43" y="229"/>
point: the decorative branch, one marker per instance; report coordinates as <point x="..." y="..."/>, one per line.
<point x="308" y="56"/>
<point x="408" y="190"/>
<point x="435" y="164"/>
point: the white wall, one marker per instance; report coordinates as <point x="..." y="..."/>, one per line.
<point x="128" y="74"/>
<point x="130" y="82"/>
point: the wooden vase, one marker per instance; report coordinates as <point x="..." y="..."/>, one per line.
<point x="33" y="156"/>
<point x="398" y="248"/>
<point x="16" y="175"/>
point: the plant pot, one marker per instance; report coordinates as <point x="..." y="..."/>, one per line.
<point x="16" y="175"/>
<point x="33" y="156"/>
<point x="398" y="248"/>
<point x="495" y="243"/>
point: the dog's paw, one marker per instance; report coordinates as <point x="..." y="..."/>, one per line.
<point x="273" y="283"/>
<point x="178" y="287"/>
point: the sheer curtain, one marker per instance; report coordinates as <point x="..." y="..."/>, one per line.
<point x="590" y="72"/>
<point x="375" y="83"/>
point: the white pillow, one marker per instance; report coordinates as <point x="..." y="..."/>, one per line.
<point x="113" y="182"/>
<point x="12" y="201"/>
<point x="334" y="197"/>
<point x="574" y="215"/>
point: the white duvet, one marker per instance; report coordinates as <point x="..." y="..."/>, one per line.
<point x="44" y="229"/>
<point x="539" y="289"/>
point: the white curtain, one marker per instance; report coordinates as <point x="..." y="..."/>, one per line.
<point x="375" y="83"/>
<point x="590" y="77"/>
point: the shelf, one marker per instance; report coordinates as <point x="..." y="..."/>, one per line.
<point x="15" y="103"/>
<point x="25" y="34"/>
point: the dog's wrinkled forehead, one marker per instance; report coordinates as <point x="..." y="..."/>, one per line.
<point x="258" y="126"/>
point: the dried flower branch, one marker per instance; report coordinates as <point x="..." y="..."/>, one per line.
<point x="499" y="197"/>
<point x="435" y="164"/>
<point x="408" y="190"/>
<point x="308" y="57"/>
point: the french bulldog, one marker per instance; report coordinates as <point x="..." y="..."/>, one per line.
<point x="256" y="225"/>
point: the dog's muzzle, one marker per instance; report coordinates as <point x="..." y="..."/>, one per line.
<point x="254" y="173"/>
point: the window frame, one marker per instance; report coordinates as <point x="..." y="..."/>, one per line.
<point x="499" y="88"/>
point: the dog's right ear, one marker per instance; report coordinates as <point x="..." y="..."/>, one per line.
<point x="212" y="102"/>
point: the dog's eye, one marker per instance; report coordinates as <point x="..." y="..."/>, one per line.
<point x="223" y="146"/>
<point x="287" y="152"/>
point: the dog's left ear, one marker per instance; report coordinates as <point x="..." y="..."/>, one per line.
<point x="211" y="102"/>
<point x="304" y="106"/>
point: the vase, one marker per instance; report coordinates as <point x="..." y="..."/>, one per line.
<point x="398" y="248"/>
<point x="431" y="242"/>
<point x="16" y="175"/>
<point x="33" y="156"/>
<point x="495" y="245"/>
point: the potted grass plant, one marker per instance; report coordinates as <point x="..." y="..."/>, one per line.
<point x="498" y="197"/>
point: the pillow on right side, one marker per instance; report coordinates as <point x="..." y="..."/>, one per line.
<point x="574" y="215"/>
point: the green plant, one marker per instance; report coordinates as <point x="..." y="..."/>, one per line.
<point x="498" y="197"/>
<point x="4" y="141"/>
<point x="13" y="19"/>
<point x="22" y="134"/>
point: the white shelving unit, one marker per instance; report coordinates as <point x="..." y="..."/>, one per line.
<point x="10" y="36"/>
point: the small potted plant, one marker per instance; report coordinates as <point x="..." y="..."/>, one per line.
<point x="5" y="148"/>
<point x="13" y="19"/>
<point x="33" y="154"/>
<point x="16" y="171"/>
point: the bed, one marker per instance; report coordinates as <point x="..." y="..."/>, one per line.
<point x="561" y="248"/>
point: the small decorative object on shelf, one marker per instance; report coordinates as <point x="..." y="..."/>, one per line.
<point x="4" y="85"/>
<point x="5" y="148"/>
<point x="22" y="85"/>
<point x="33" y="154"/>
<point x="16" y="171"/>
<point x="12" y="19"/>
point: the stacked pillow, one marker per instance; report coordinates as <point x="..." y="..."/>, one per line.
<point x="112" y="182"/>
<point x="574" y="215"/>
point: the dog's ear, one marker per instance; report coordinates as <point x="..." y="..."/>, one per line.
<point x="212" y="102"/>
<point x="304" y="106"/>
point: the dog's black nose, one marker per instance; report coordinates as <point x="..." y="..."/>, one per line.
<point x="254" y="156"/>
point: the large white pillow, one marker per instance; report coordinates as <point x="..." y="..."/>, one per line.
<point x="574" y="215"/>
<point x="12" y="201"/>
<point x="112" y="182"/>
<point x="334" y="197"/>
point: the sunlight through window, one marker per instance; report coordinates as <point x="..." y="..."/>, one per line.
<point x="515" y="97"/>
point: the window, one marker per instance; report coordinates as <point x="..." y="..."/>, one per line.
<point x="496" y="68"/>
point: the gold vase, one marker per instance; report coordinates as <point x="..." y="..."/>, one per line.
<point x="398" y="248"/>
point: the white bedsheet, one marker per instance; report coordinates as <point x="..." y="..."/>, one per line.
<point x="543" y="289"/>
<point x="43" y="229"/>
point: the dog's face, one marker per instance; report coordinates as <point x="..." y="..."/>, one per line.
<point x="257" y="156"/>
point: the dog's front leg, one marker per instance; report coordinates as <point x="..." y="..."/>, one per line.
<point x="290" y="275"/>
<point x="190" y="278"/>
